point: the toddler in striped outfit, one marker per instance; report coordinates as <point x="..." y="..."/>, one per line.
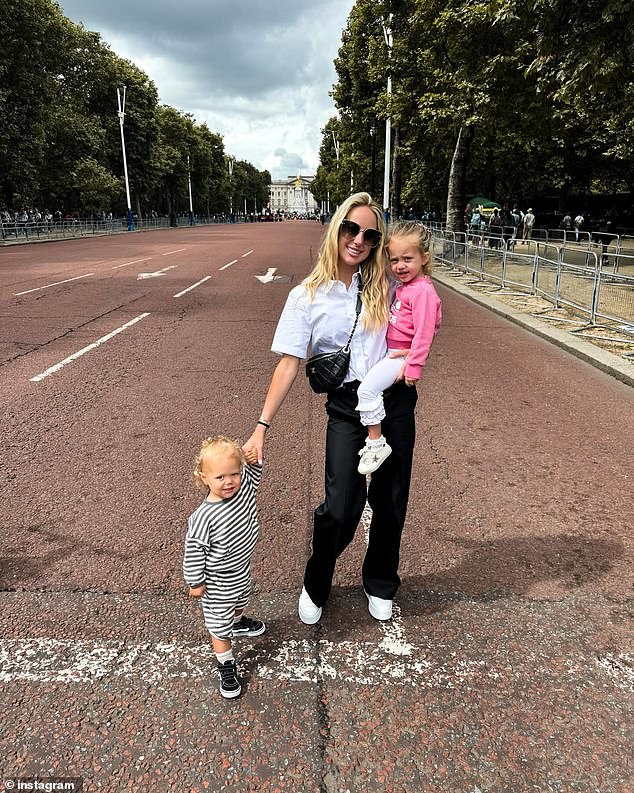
<point x="221" y="536"/>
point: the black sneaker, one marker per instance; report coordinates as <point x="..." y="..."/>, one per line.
<point x="245" y="626"/>
<point x="229" y="684"/>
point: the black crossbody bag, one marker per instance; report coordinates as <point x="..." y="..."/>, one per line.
<point x="327" y="371"/>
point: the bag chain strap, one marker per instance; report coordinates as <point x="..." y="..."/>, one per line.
<point x="356" y="319"/>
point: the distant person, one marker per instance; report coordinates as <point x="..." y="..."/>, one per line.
<point x="495" y="229"/>
<point x="566" y="223"/>
<point x="221" y="537"/>
<point x="578" y="222"/>
<point x="415" y="317"/>
<point x="529" y="222"/>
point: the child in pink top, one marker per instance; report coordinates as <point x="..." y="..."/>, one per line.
<point x="415" y="316"/>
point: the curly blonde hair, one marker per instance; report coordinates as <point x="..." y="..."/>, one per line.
<point x="411" y="228"/>
<point x="215" y="446"/>
<point x="373" y="269"/>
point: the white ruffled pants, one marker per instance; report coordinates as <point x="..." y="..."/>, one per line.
<point x="370" y="392"/>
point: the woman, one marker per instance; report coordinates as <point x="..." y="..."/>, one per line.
<point x="318" y="315"/>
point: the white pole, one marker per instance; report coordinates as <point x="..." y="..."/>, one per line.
<point x="189" y="182"/>
<point x="388" y="126"/>
<point x="121" y="114"/>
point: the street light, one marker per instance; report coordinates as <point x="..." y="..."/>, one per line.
<point x="121" y="114"/>
<point x="191" y="205"/>
<point x="373" y="136"/>
<point x="230" y="161"/>
<point x="387" y="34"/>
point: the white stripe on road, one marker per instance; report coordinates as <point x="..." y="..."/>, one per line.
<point x="127" y="264"/>
<point x="75" y="355"/>
<point x="193" y="286"/>
<point x="394" y="641"/>
<point x="246" y="254"/>
<point x="169" y="253"/>
<point x="37" y="288"/>
<point x="68" y="661"/>
<point x="50" y="660"/>
<point x="228" y="265"/>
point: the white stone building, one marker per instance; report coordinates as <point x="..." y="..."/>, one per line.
<point x="292" y="196"/>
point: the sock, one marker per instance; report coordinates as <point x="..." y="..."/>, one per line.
<point x="226" y="656"/>
<point x="377" y="442"/>
<point x="236" y="620"/>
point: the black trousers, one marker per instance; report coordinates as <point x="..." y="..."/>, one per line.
<point x="337" y="518"/>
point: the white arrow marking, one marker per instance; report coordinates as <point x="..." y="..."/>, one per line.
<point x="270" y="276"/>
<point x="157" y="274"/>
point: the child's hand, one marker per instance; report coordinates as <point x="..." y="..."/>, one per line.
<point x="196" y="591"/>
<point x="251" y="455"/>
<point x="411" y="380"/>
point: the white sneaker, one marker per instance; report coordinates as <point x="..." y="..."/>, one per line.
<point x="379" y="608"/>
<point x="373" y="456"/>
<point x="309" y="613"/>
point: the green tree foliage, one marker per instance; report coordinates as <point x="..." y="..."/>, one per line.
<point x="502" y="97"/>
<point x="60" y="145"/>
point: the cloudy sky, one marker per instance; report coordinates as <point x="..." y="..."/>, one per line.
<point x="256" y="71"/>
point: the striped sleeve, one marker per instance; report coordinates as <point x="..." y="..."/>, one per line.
<point x="196" y="549"/>
<point x="253" y="473"/>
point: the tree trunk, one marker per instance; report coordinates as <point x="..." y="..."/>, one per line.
<point x="457" y="177"/>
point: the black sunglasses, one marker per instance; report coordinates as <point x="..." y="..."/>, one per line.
<point x="351" y="229"/>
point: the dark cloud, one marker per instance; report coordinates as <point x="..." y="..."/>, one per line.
<point x="248" y="67"/>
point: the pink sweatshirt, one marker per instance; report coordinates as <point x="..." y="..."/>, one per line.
<point x="415" y="316"/>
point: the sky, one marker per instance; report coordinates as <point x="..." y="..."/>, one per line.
<point x="258" y="72"/>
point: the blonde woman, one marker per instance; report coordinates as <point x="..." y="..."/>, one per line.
<point x="317" y="318"/>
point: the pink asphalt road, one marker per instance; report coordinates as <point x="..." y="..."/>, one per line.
<point x="507" y="667"/>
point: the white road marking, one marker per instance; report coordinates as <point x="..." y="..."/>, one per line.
<point x="270" y="276"/>
<point x="364" y="663"/>
<point x="169" y="253"/>
<point x="127" y="264"/>
<point x="246" y="254"/>
<point x="393" y="642"/>
<point x="228" y="265"/>
<point x="75" y="355"/>
<point x="193" y="286"/>
<point x="66" y="281"/>
<point x="156" y="274"/>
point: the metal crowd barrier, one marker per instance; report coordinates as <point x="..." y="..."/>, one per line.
<point x="594" y="281"/>
<point x="28" y="231"/>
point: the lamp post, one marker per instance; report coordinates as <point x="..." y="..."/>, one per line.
<point x="373" y="136"/>
<point x="189" y="184"/>
<point x="230" y="161"/>
<point x="121" y="114"/>
<point x="387" y="34"/>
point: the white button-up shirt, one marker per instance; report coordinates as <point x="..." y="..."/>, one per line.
<point x="311" y="327"/>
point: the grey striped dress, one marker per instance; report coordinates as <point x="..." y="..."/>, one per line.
<point x="221" y="537"/>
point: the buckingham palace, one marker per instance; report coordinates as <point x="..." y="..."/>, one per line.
<point x="292" y="196"/>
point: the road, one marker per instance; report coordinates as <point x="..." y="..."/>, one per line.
<point x="508" y="666"/>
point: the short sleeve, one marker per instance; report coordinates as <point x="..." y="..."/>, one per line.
<point x="293" y="332"/>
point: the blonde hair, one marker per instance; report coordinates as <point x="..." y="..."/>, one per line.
<point x="375" y="283"/>
<point x="411" y="228"/>
<point x="215" y="447"/>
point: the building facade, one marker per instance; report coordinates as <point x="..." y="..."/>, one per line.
<point x="292" y="196"/>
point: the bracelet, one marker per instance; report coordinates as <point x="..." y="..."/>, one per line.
<point x="264" y="423"/>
